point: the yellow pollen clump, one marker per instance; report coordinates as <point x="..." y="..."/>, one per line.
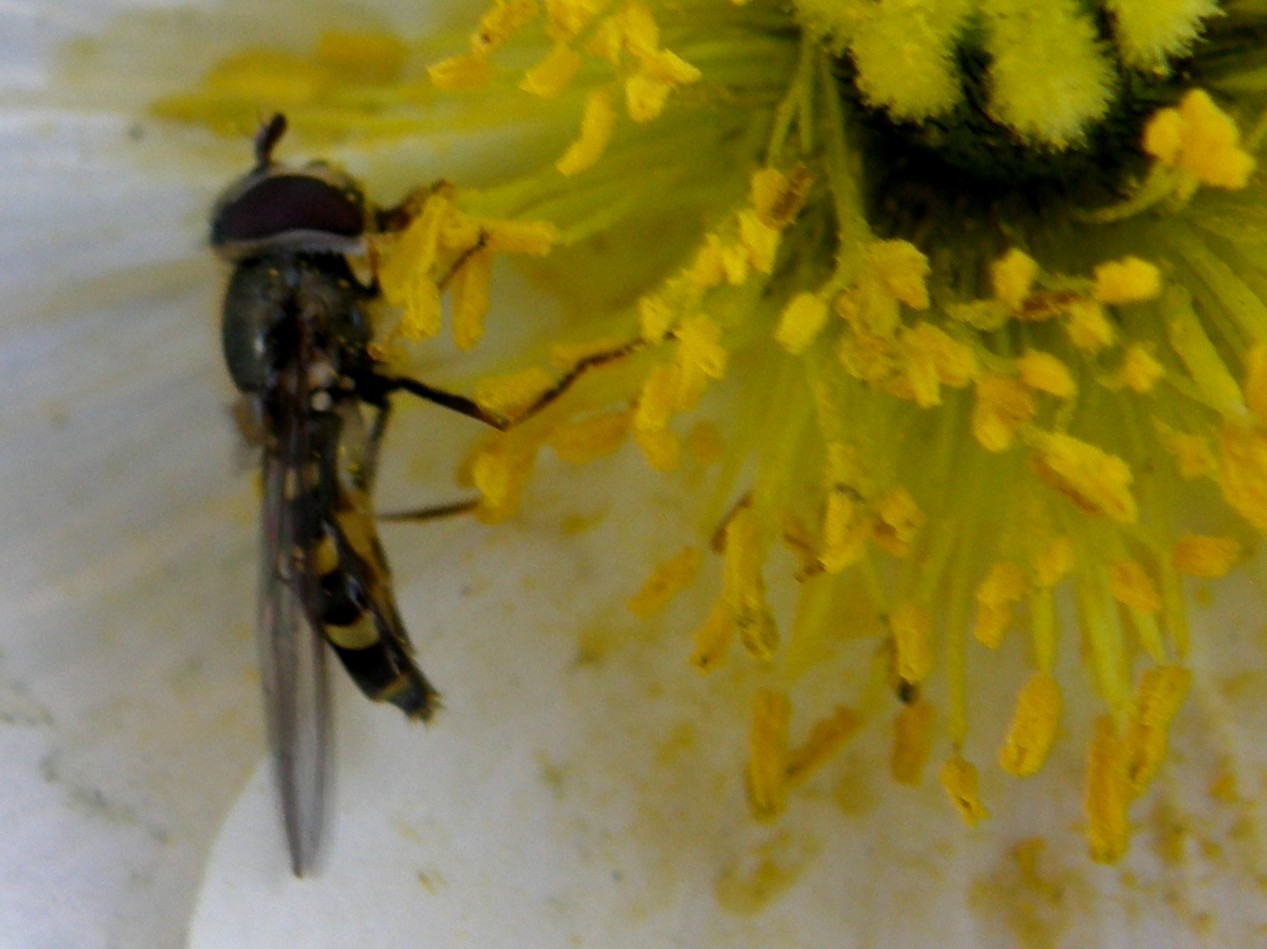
<point x="1045" y="373"/>
<point x="1108" y="794"/>
<point x="912" y="627"/>
<point x="597" y="122"/>
<point x="1003" y="586"/>
<point x="1206" y="557"/>
<point x="668" y="579"/>
<point x="1097" y="482"/>
<point x="902" y="269"/>
<point x="1129" y="280"/>
<point x="961" y="782"/>
<point x="931" y="358"/>
<point x="1200" y="140"/>
<point x="768" y="755"/>
<point x="1034" y="726"/>
<point x="801" y="321"/>
<point x="912" y="741"/>
<point x="1012" y="276"/>
<point x="1132" y="586"/>
<point x="1003" y="406"/>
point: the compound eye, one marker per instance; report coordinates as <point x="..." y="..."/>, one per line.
<point x="288" y="202"/>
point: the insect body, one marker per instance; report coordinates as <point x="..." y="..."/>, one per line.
<point x="295" y="336"/>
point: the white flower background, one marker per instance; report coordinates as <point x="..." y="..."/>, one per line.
<point x="583" y="785"/>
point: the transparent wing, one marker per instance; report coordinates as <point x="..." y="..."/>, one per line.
<point x="292" y="658"/>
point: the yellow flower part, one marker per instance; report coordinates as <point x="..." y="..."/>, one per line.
<point x="669" y="578"/>
<point x="971" y="298"/>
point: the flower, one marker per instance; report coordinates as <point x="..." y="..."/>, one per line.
<point x="944" y="317"/>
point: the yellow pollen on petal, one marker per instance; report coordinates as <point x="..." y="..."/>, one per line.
<point x="1003" y="586"/>
<point x="1157" y="699"/>
<point x="801" y="321"/>
<point x="1108" y="794"/>
<point x="1125" y="281"/>
<point x="825" y="739"/>
<point x="597" y="123"/>
<point x="1012" y="276"/>
<point x="1204" y="556"/>
<point x="548" y="78"/>
<point x="912" y="627"/>
<point x="1201" y="140"/>
<point x="1034" y="726"/>
<point x="1140" y="370"/>
<point x="467" y="71"/>
<point x="581" y="442"/>
<point x="666" y="581"/>
<point x="1003" y="406"/>
<point x="961" y="782"/>
<point x="912" y="742"/>
<point x="1045" y="373"/>
<point x="713" y="638"/>
<point x="1132" y="586"/>
<point x="1095" y="481"/>
<point x="768" y="755"/>
<point x="1243" y="472"/>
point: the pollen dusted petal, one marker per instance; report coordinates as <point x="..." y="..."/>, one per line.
<point x="961" y="782"/>
<point x="1034" y="726"/>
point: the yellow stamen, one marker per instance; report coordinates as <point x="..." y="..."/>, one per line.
<point x="582" y="441"/>
<point x="1129" y="280"/>
<point x="1108" y="794"/>
<point x="961" y="781"/>
<point x="743" y="587"/>
<point x="777" y="197"/>
<point x="470" y="298"/>
<point x="1206" y="557"/>
<point x="768" y="755"/>
<point x="1012" y="276"/>
<point x="1255" y="386"/>
<point x="898" y="520"/>
<point x="713" y="638"/>
<point x="597" y="123"/>
<point x="1243" y="472"/>
<point x="802" y="320"/>
<point x="500" y="23"/>
<point x="1140" y="370"/>
<point x="1004" y="585"/>
<point x="1045" y="373"/>
<point x="553" y="74"/>
<point x="1088" y="326"/>
<point x="499" y="471"/>
<point x="912" y="627"/>
<point x="467" y="71"/>
<point x="1201" y="140"/>
<point x="1034" y="726"/>
<point x="669" y="578"/>
<point x="1132" y="586"/>
<point x="507" y="394"/>
<point x="1003" y="406"/>
<point x="912" y="741"/>
<point x="1095" y="481"/>
<point x="1160" y="693"/>
<point x="825" y="739"/>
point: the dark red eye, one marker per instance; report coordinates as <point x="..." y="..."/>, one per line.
<point x="283" y="202"/>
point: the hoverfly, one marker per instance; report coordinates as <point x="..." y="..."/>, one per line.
<point x="295" y="331"/>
